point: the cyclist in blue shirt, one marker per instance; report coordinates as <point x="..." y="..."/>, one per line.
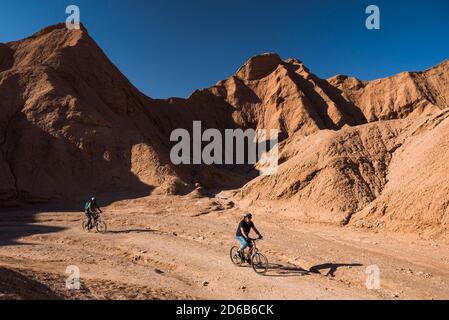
<point x="242" y="234"/>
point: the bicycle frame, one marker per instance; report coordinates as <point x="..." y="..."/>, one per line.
<point x="253" y="249"/>
<point x="96" y="217"/>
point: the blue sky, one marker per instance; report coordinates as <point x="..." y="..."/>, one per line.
<point x="172" y="47"/>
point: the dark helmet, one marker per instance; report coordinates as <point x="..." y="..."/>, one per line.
<point x="248" y="215"/>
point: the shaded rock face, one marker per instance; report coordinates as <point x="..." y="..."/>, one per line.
<point x="6" y="57"/>
<point x="259" y="67"/>
<point x="71" y="124"/>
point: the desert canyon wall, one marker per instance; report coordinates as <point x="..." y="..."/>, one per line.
<point x="365" y="153"/>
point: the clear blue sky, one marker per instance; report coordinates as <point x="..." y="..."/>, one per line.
<point x="172" y="47"/>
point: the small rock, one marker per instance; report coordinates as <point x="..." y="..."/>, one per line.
<point x="175" y="234"/>
<point x="424" y="274"/>
<point x="159" y="271"/>
<point x="229" y="205"/>
<point x="205" y="283"/>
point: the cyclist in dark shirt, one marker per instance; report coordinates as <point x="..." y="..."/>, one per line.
<point x="242" y="234"/>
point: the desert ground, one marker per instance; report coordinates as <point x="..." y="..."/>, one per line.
<point x="177" y="247"/>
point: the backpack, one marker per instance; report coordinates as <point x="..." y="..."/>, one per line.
<point x="86" y="205"/>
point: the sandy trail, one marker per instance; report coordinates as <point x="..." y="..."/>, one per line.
<point x="166" y="247"/>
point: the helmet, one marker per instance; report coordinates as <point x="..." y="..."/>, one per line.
<point x="248" y="215"/>
<point x="93" y="199"/>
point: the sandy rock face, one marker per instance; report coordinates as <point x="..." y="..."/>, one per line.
<point x="384" y="175"/>
<point x="398" y="96"/>
<point x="274" y="94"/>
<point x="416" y="197"/>
<point x="330" y="175"/>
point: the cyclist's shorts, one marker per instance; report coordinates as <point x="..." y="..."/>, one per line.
<point x="243" y="243"/>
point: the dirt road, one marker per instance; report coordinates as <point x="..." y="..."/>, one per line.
<point x="167" y="247"/>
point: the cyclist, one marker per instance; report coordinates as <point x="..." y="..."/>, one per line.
<point x="242" y="233"/>
<point x="90" y="210"/>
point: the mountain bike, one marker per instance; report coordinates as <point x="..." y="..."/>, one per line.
<point x="257" y="260"/>
<point x="96" y="223"/>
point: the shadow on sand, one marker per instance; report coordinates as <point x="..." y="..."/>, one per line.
<point x="16" y="224"/>
<point x="332" y="268"/>
<point x="289" y="270"/>
<point x="281" y="270"/>
<point x="132" y="231"/>
<point x="15" y="285"/>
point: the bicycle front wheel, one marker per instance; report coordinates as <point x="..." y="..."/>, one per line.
<point x="259" y="263"/>
<point x="101" y="227"/>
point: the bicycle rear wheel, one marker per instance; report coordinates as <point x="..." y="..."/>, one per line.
<point x="101" y="226"/>
<point x="85" y="225"/>
<point x="259" y="263"/>
<point x="235" y="258"/>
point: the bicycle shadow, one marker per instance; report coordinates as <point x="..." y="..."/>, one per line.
<point x="288" y="270"/>
<point x="333" y="267"/>
<point x="131" y="231"/>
